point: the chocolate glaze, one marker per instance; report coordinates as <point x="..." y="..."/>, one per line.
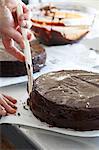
<point x="16" y="68"/>
<point x="67" y="99"/>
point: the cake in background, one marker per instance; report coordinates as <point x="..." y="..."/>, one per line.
<point x="61" y="23"/>
<point x="11" y="67"/>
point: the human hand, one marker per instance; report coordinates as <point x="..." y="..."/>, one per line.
<point x="7" y="105"/>
<point x="10" y="30"/>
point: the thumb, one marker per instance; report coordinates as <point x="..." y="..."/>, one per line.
<point x="10" y="48"/>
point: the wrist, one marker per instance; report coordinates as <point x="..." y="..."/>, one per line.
<point x="2" y="3"/>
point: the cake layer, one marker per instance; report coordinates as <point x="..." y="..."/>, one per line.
<point x="67" y="99"/>
<point x="12" y="67"/>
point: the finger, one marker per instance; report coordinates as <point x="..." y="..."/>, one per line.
<point x="13" y="100"/>
<point x="15" y="35"/>
<point x="30" y="35"/>
<point x="12" y="49"/>
<point x="7" y="107"/>
<point x="25" y="13"/>
<point x="24" y="17"/>
<point x="19" y="29"/>
<point x="25" y="23"/>
<point x="10" y="103"/>
<point x="2" y="111"/>
<point x="14" y="13"/>
<point x="25" y="9"/>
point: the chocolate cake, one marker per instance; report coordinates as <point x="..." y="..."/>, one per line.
<point x="67" y="99"/>
<point x="55" y="25"/>
<point x="10" y="67"/>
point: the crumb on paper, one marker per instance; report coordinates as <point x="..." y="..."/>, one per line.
<point x="18" y="114"/>
<point x="25" y="107"/>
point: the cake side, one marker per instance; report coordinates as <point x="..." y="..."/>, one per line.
<point x="54" y="37"/>
<point x="67" y="99"/>
<point x="11" y="67"/>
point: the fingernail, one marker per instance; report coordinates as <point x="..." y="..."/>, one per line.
<point x="24" y="24"/>
<point x="14" y="107"/>
<point x="13" y="111"/>
<point x="14" y="101"/>
<point x="29" y="36"/>
<point x="21" y="18"/>
<point x="22" y="58"/>
<point x="22" y="45"/>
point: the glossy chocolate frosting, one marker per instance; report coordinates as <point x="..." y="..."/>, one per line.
<point x="67" y="99"/>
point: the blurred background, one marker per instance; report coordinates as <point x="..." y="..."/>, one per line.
<point x="92" y="3"/>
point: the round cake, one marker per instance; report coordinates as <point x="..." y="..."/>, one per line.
<point x="11" y="67"/>
<point x="60" y="24"/>
<point x="67" y="99"/>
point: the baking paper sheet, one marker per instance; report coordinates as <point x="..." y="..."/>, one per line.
<point x="76" y="56"/>
<point x="26" y="118"/>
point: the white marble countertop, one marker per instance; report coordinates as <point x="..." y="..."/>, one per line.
<point x="52" y="141"/>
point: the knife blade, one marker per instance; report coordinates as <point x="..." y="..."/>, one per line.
<point x="27" y="52"/>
